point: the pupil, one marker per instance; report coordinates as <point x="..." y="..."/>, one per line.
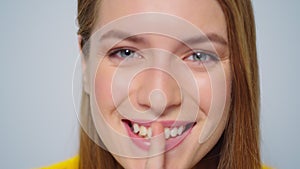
<point x="197" y="56"/>
<point x="127" y="52"/>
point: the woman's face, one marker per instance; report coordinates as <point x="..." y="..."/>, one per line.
<point x="149" y="77"/>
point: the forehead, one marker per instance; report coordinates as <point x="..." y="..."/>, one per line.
<point x="207" y="15"/>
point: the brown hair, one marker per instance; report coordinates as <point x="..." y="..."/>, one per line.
<point x="239" y="145"/>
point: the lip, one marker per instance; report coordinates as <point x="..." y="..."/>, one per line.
<point x="144" y="143"/>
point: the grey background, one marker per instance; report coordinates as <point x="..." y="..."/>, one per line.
<point x="38" y="125"/>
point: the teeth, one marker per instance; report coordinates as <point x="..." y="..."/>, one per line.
<point x="147" y="132"/>
<point x="136" y="128"/>
<point x="167" y="133"/>
<point x="143" y="131"/>
<point x="180" y="130"/>
<point x="174" y="132"/>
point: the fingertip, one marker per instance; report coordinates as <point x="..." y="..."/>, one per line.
<point x="157" y="128"/>
<point x="157" y="147"/>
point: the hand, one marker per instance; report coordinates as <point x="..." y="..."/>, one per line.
<point x="157" y="147"/>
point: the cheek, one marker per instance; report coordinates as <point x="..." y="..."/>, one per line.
<point x="204" y="92"/>
<point x="103" y="81"/>
<point x="214" y="87"/>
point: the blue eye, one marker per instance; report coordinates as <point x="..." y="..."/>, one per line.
<point x="124" y="53"/>
<point x="202" y="57"/>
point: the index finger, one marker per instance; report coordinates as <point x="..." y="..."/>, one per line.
<point x="157" y="147"/>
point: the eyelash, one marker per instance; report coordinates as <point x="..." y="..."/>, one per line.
<point x="116" y="53"/>
<point x="208" y="57"/>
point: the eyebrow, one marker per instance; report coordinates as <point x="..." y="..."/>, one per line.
<point x="116" y="34"/>
<point x="210" y="37"/>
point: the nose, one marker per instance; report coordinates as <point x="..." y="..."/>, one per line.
<point x="157" y="91"/>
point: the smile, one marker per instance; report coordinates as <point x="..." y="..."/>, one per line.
<point x="174" y="131"/>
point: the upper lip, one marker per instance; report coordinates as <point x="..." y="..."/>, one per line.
<point x="165" y="123"/>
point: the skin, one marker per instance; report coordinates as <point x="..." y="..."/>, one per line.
<point x="207" y="16"/>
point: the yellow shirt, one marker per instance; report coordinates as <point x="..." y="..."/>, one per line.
<point x="73" y="164"/>
<point x="68" y="164"/>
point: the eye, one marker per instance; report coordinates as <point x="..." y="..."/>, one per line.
<point x="124" y="53"/>
<point x="202" y="57"/>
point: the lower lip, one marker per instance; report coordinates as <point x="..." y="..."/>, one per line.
<point x="145" y="143"/>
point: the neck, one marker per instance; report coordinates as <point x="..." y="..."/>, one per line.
<point x="208" y="163"/>
<point x="212" y="158"/>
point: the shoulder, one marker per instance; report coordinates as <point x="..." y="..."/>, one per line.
<point x="71" y="163"/>
<point x="266" y="167"/>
